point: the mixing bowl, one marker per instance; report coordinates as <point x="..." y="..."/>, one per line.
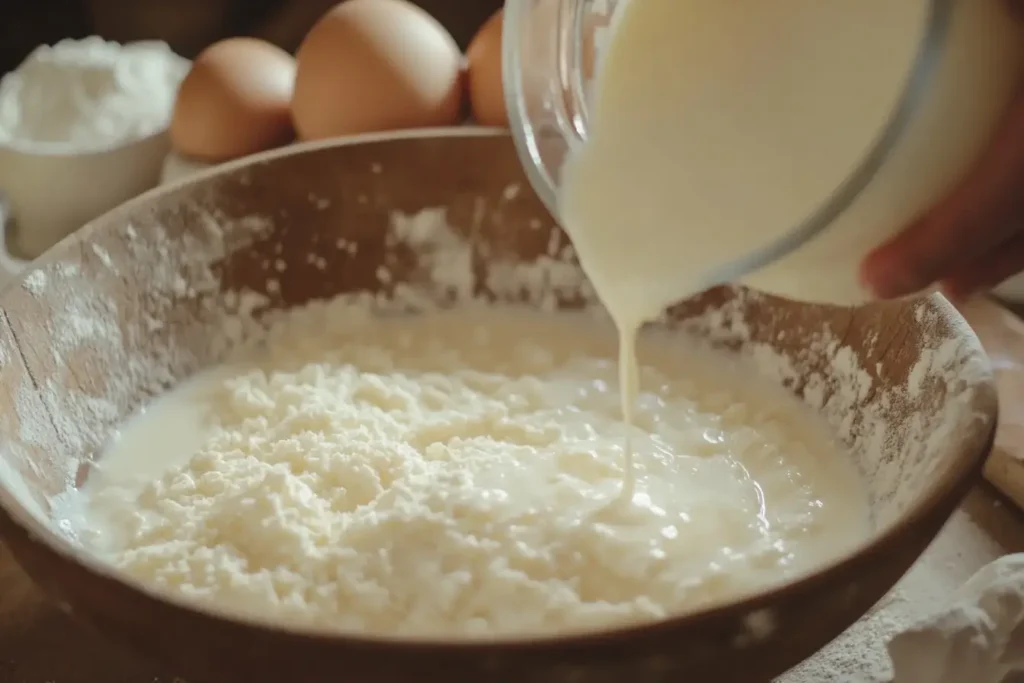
<point x="132" y="304"/>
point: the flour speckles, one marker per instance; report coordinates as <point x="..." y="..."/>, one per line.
<point x="102" y="255"/>
<point x="35" y="282"/>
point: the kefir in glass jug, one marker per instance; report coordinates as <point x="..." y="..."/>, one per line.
<point x="694" y="142"/>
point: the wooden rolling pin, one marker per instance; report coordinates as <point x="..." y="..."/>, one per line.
<point x="1002" y="334"/>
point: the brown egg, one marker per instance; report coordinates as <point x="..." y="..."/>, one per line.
<point x="483" y="58"/>
<point x="235" y="101"/>
<point x="373" y="65"/>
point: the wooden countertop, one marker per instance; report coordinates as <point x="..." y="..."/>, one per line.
<point x="40" y="644"/>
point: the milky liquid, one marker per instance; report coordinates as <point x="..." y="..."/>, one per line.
<point x="485" y="441"/>
<point x="715" y="128"/>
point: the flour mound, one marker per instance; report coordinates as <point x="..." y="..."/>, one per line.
<point x="456" y="473"/>
<point x="90" y="93"/>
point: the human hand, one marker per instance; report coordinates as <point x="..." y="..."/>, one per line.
<point x="973" y="239"/>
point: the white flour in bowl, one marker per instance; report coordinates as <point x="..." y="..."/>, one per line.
<point x="458" y="473"/>
<point x="89" y="94"/>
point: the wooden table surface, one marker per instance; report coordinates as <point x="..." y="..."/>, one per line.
<point x="40" y="644"/>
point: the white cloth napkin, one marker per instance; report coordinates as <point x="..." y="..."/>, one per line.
<point x="978" y="637"/>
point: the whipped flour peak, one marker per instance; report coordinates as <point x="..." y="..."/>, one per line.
<point x="89" y="93"/>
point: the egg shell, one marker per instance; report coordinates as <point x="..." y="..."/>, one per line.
<point x="375" y="65"/>
<point x="483" y="66"/>
<point x="236" y="100"/>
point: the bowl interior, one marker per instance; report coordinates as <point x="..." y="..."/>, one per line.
<point x="163" y="286"/>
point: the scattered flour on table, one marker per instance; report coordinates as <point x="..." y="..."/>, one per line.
<point x="90" y="93"/>
<point x="976" y="636"/>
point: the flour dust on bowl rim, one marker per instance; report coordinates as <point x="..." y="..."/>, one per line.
<point x="905" y="385"/>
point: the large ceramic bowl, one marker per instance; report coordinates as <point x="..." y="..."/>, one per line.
<point x="130" y="305"/>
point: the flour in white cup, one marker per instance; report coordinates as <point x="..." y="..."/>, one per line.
<point x="89" y="94"/>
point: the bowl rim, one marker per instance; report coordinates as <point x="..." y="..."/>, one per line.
<point x="929" y="512"/>
<point x="67" y="152"/>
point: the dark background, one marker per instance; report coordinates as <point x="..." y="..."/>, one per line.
<point x="190" y="25"/>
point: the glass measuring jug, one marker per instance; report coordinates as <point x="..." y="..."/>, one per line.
<point x="966" y="63"/>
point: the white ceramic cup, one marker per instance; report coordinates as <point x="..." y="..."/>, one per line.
<point x="176" y="167"/>
<point x="49" y="192"/>
<point x="1011" y="290"/>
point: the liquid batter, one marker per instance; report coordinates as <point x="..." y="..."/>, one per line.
<point x="716" y="128"/>
<point x="450" y="473"/>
